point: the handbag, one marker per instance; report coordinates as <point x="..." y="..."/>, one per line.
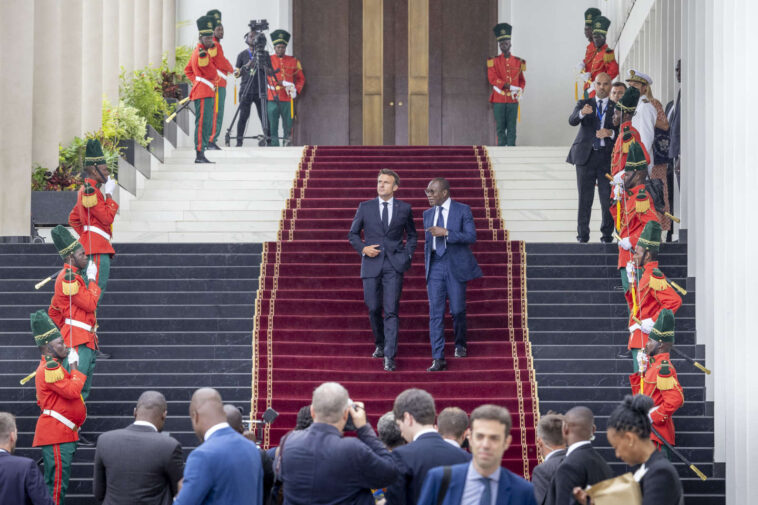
<point x="621" y="490"/>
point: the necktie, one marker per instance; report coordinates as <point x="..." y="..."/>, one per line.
<point x="439" y="242"/>
<point x="598" y="143"/>
<point x="385" y="216"/>
<point x="486" y="498"/>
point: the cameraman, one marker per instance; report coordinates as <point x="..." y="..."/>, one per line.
<point x="250" y="87"/>
<point x="319" y="465"/>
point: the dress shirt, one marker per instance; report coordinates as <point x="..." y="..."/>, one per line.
<point x="551" y="453"/>
<point x="575" y="445"/>
<point x="3" y="450"/>
<point x="452" y="442"/>
<point x="474" y="487"/>
<point x="644" y="121"/>
<point x="146" y="423"/>
<point x="424" y="432"/>
<point x="390" y="203"/>
<point x="213" y="429"/>
<point x="445" y="212"/>
<point x="606" y="102"/>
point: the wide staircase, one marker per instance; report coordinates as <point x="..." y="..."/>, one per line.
<point x="577" y="325"/>
<point x="175" y="317"/>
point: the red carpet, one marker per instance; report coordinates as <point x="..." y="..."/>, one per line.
<point x="311" y="325"/>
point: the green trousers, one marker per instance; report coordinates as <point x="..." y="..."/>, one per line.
<point x="218" y="114"/>
<point x="203" y="122"/>
<point x="87" y="360"/>
<point x="103" y="263"/>
<point x="276" y="110"/>
<point x="57" y="459"/>
<point x="506" y="116"/>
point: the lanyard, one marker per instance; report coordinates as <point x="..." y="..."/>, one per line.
<point x="600" y="115"/>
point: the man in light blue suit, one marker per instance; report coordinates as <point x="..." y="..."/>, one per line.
<point x="450" y="229"/>
<point x="483" y="481"/>
<point x="226" y="468"/>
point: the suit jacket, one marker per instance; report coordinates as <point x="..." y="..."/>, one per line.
<point x="461" y="233"/>
<point x="511" y="489"/>
<point x="21" y="481"/>
<point x="224" y="469"/>
<point x="368" y="218"/>
<point x="583" y="467"/>
<point x="543" y="474"/>
<point x="661" y="483"/>
<point x="320" y="466"/>
<point x="137" y="465"/>
<point x="414" y="460"/>
<point x="582" y="146"/>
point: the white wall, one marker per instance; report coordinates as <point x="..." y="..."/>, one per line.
<point x="235" y="16"/>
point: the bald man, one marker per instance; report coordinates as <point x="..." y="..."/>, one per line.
<point x="583" y="465"/>
<point x="226" y="467"/>
<point x="138" y="464"/>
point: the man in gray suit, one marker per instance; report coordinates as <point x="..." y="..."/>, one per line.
<point x="553" y="449"/>
<point x="139" y="464"/>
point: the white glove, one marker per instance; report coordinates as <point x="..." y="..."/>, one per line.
<point x="580" y="66"/>
<point x="91" y="271"/>
<point x="647" y="325"/>
<point x="651" y="411"/>
<point x="73" y="357"/>
<point x="630" y="271"/>
<point x="586" y="76"/>
<point x="618" y="179"/>
<point x="110" y="186"/>
<point x="617" y="192"/>
<point x="625" y="243"/>
<point x="642" y="361"/>
<point x="516" y="90"/>
<point x="292" y="91"/>
<point x="498" y="90"/>
<point x="287" y="84"/>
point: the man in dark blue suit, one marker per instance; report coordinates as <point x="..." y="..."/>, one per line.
<point x="482" y="480"/>
<point x="20" y="478"/>
<point x="226" y="468"/>
<point x="385" y="222"/>
<point x="414" y="413"/>
<point x="449" y="265"/>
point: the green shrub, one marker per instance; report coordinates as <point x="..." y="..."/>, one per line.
<point x="183" y="54"/>
<point x="143" y="91"/>
<point x="121" y="123"/>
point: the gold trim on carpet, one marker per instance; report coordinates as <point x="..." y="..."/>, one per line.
<point x="270" y="342"/>
<point x="256" y="329"/>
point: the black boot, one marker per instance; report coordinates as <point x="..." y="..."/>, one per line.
<point x="437" y="365"/>
<point x="101" y="355"/>
<point x="214" y="146"/>
<point x="200" y="158"/>
<point x="389" y="364"/>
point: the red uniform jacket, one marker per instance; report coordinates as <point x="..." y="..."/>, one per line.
<point x="661" y="384"/>
<point x="505" y="72"/>
<point x="94" y="224"/>
<point x="633" y="220"/>
<point x="64" y="396"/>
<point x="654" y="294"/>
<point x="223" y="67"/>
<point x="589" y="54"/>
<point x="604" y="60"/>
<point x="202" y="72"/>
<point x="618" y="158"/>
<point x="290" y="70"/>
<point x="77" y="302"/>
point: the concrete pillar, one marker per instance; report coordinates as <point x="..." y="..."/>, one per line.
<point x="155" y="33"/>
<point x="126" y="35"/>
<point x="111" y="69"/>
<point x="71" y="72"/>
<point x="140" y="34"/>
<point x="47" y="88"/>
<point x="169" y="31"/>
<point x="92" y="65"/>
<point x="16" y="131"/>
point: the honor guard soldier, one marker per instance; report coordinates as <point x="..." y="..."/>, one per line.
<point x="75" y="301"/>
<point x="622" y="115"/>
<point x="505" y="73"/>
<point x="604" y="59"/>
<point x="92" y="216"/>
<point x="659" y="381"/>
<point x="202" y="72"/>
<point x="653" y="294"/>
<point x="223" y="69"/>
<point x="589" y="53"/>
<point x="283" y="87"/>
<point x="59" y="398"/>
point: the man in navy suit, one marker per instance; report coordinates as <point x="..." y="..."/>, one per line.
<point x="449" y="227"/>
<point x="384" y="259"/>
<point x="226" y="468"/>
<point x="20" y="478"/>
<point x="482" y="480"/>
<point x="414" y="413"/>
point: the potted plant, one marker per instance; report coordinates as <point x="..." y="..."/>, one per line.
<point x="125" y="132"/>
<point x="143" y="90"/>
<point x="54" y="191"/>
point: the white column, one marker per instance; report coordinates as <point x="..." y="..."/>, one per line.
<point x="126" y="35"/>
<point x="111" y="69"/>
<point x="17" y="37"/>
<point x="155" y="33"/>
<point x="92" y="65"/>
<point x="169" y="31"/>
<point x="140" y="35"/>
<point x="47" y="88"/>
<point x="71" y="72"/>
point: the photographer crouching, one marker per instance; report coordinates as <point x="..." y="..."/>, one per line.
<point x="252" y="83"/>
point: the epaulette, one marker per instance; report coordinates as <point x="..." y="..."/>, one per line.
<point x="203" y="59"/>
<point x="523" y="64"/>
<point x="213" y="51"/>
<point x="658" y="280"/>
<point x="666" y="378"/>
<point x="609" y="55"/>
<point x="641" y="203"/>
<point x="89" y="195"/>
<point x="299" y="66"/>
<point x="490" y="62"/>
<point x="53" y="370"/>
<point x="627" y="138"/>
<point x="69" y="286"/>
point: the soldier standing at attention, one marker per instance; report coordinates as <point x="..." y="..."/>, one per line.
<point x="283" y="87"/>
<point x="223" y="68"/>
<point x="589" y="53"/>
<point x="506" y="76"/>
<point x="604" y="59"/>
<point x="201" y="71"/>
